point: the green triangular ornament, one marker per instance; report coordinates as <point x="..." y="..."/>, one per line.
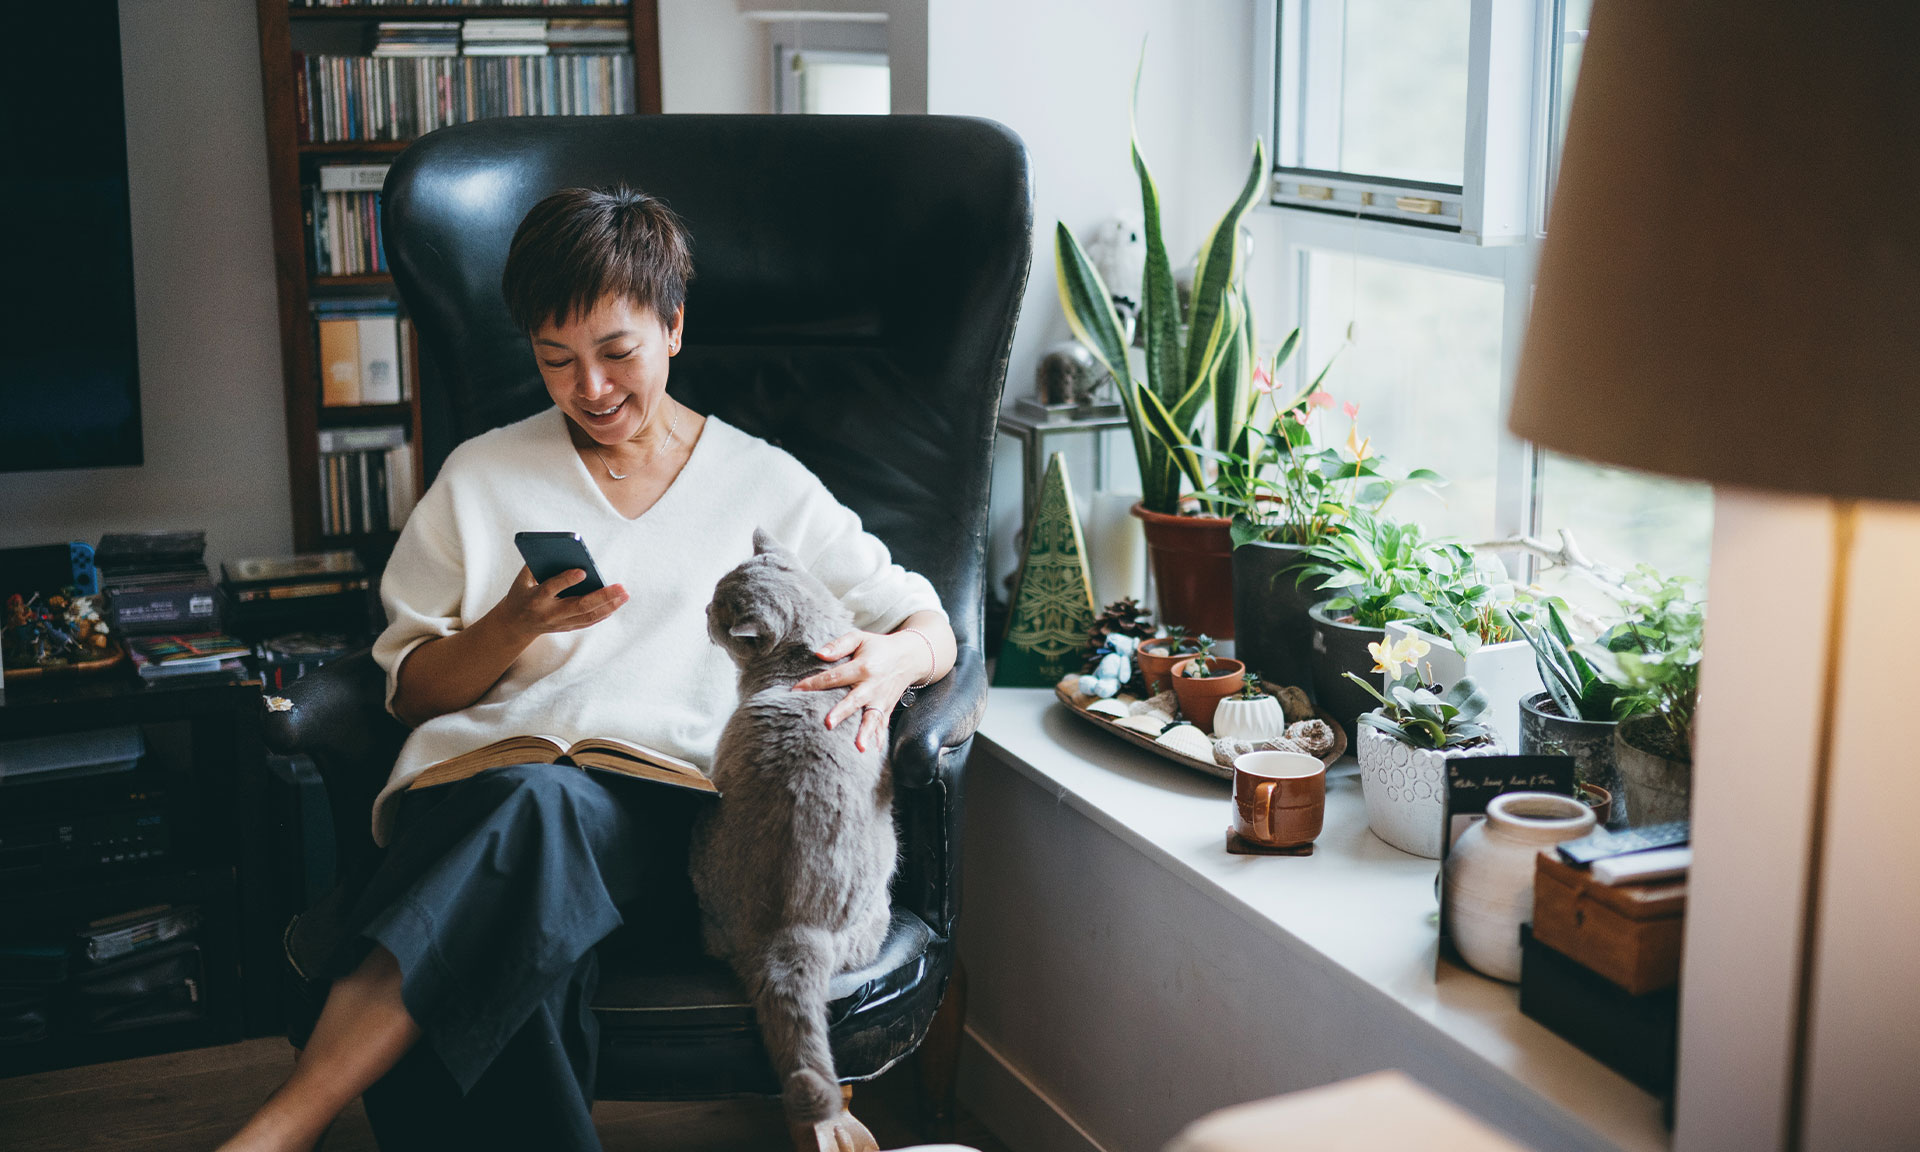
<point x="1053" y="598"/>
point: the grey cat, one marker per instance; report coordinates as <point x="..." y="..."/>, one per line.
<point x="792" y="865"/>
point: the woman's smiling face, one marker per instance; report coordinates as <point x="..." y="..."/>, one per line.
<point x="607" y="369"/>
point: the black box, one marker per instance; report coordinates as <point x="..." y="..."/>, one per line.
<point x="1636" y="1036"/>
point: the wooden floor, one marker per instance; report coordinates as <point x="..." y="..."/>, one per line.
<point x="190" y="1101"/>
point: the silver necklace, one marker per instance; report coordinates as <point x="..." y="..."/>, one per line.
<point x="668" y="439"/>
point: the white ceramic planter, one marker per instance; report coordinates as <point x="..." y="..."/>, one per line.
<point x="1404" y="789"/>
<point x="1490" y="875"/>
<point x="1506" y="672"/>
<point x="1260" y="718"/>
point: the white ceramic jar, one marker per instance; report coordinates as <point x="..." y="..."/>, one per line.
<point x="1405" y="788"/>
<point x="1490" y="875"/>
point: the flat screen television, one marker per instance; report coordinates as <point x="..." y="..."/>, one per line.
<point x="69" y="375"/>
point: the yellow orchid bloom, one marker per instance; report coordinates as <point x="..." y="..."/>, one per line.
<point x="1383" y="659"/>
<point x="1388" y="657"/>
<point x="1361" y="449"/>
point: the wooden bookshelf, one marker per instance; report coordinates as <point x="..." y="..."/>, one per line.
<point x="292" y="165"/>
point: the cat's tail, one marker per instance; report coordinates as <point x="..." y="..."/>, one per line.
<point x="790" y="999"/>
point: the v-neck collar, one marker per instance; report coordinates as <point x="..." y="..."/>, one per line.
<point x="585" y="476"/>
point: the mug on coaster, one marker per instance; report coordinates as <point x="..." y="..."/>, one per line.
<point x="1279" y="798"/>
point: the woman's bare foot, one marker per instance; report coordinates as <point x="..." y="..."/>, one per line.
<point x="362" y="1032"/>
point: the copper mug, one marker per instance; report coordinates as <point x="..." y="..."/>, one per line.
<point x="1279" y="798"/>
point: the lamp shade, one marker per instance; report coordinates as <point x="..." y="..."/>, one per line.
<point x="1729" y="289"/>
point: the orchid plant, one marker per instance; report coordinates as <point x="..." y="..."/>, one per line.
<point x="1413" y="714"/>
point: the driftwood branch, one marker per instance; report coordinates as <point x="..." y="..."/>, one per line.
<point x="1568" y="555"/>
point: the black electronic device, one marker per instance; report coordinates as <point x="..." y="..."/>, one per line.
<point x="1601" y="844"/>
<point x="550" y="553"/>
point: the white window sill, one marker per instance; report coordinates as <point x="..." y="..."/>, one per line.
<point x="1365" y="907"/>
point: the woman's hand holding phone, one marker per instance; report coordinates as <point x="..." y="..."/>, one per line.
<point x="531" y="609"/>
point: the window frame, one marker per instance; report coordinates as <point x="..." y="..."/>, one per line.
<point x="1493" y="205"/>
<point x="1512" y="49"/>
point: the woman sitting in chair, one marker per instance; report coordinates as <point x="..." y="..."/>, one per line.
<point x="472" y="946"/>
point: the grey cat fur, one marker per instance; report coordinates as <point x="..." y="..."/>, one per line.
<point x="792" y="866"/>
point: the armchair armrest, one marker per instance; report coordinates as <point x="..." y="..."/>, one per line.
<point x="339" y="719"/>
<point x="943" y="717"/>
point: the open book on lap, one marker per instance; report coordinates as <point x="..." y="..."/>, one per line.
<point x="605" y="753"/>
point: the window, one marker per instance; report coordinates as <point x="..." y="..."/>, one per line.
<point x="833" y="67"/>
<point x="1426" y="311"/>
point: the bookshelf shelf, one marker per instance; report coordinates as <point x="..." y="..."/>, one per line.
<point x="358" y="415"/>
<point x="461" y="12"/>
<point x="353" y="147"/>
<point x="362" y="280"/>
<point x="294" y="166"/>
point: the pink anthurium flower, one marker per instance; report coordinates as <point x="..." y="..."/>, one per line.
<point x="1351" y="409"/>
<point x="1320" y="399"/>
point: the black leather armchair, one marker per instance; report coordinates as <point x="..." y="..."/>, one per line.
<point x="857" y="281"/>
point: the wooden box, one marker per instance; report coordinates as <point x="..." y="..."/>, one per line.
<point x="1629" y="934"/>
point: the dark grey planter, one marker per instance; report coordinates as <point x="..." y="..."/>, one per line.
<point x="1659" y="788"/>
<point x="1271" y="632"/>
<point x="1589" y="742"/>
<point x="1339" y="648"/>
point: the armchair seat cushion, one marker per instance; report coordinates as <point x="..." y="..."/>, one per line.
<point x="681" y="1028"/>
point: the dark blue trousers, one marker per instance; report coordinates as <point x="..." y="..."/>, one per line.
<point x="492" y="896"/>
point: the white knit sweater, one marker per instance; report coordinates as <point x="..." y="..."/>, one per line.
<point x="648" y="673"/>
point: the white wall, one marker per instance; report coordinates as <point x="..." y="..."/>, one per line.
<point x="1060" y="74"/>
<point x="210" y="379"/>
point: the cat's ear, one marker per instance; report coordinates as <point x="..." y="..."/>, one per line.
<point x="748" y="630"/>
<point x="762" y="542"/>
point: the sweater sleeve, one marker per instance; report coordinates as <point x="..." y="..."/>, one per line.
<point x="852" y="562"/>
<point x="423" y="586"/>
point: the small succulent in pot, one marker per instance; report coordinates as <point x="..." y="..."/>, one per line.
<point x="1201" y="665"/>
<point x="1254" y="714"/>
<point x="1201" y="682"/>
<point x="1157" y="656"/>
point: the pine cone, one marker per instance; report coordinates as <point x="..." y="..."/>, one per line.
<point x="1122" y="617"/>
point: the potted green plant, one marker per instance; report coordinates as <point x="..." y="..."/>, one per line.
<point x="1157" y="656"/>
<point x="1467" y="610"/>
<point x="1201" y="682"/>
<point x="1655" y="661"/>
<point x="1199" y="372"/>
<point x="1404" y="746"/>
<point x="1296" y="496"/>
<point x="1576" y="713"/>
<point x="1374" y="568"/>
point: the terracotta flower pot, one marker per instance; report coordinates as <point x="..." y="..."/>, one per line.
<point x="1200" y="696"/>
<point x="1193" y="569"/>
<point x="1156" y="666"/>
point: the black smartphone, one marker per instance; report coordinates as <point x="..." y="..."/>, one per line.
<point x="550" y="553"/>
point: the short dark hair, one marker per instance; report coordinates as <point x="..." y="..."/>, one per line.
<point x="582" y="245"/>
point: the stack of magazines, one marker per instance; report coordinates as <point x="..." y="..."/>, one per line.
<point x="186" y="654"/>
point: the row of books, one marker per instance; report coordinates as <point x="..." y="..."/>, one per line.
<point x="344" y="230"/>
<point x="363" y="352"/>
<point x="366" y="480"/>
<point x="515" y="37"/>
<point x="167" y="656"/>
<point x="344" y="98"/>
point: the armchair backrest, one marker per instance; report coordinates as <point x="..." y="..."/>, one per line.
<point x="856" y="283"/>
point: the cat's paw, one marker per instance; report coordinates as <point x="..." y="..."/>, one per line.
<point x="811" y="1097"/>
